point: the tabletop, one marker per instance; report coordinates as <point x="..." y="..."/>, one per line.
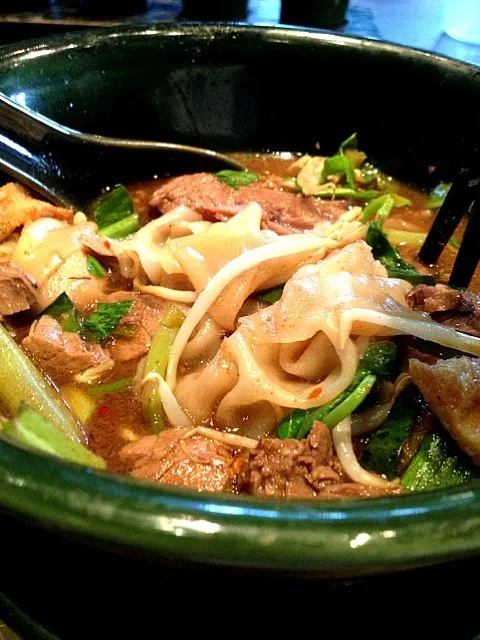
<point x="24" y="583"/>
<point x="414" y="23"/>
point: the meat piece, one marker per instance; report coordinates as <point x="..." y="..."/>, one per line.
<point x="457" y="309"/>
<point x="431" y="299"/>
<point x="452" y="389"/>
<point x="17" y="289"/>
<point x="284" y="212"/>
<point x="171" y="458"/>
<point x="290" y="468"/>
<point x="17" y="207"/>
<point x="144" y="318"/>
<point x="62" y="355"/>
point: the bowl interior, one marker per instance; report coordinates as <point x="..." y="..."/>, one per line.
<point x="239" y="88"/>
<point x="261" y="89"/>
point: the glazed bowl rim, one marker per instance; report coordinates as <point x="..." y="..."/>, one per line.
<point x="344" y="537"/>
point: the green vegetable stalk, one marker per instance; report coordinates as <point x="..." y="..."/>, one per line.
<point x="31" y="430"/>
<point x="396" y="266"/>
<point x="20" y="381"/>
<point x="157" y="361"/>
<point x="122" y="228"/>
<point x="379" y="360"/>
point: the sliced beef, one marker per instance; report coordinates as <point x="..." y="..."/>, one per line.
<point x="452" y="389"/>
<point x="284" y="212"/>
<point x="59" y="354"/>
<point x="18" y="207"/>
<point x="17" y="289"/>
<point x="171" y="458"/>
<point x="457" y="309"/>
<point x="297" y="469"/>
<point x="143" y="318"/>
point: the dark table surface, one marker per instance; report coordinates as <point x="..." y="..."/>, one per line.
<point x="75" y="592"/>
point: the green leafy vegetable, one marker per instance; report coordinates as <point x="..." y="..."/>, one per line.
<point x="379" y="360"/>
<point x="396" y="266"/>
<point x="31" y="430"/>
<point x="237" y="179"/>
<point x="381" y="207"/>
<point x="122" y="228"/>
<point x="105" y="319"/>
<point x="157" y="360"/>
<point x="32" y="387"/>
<point x="63" y="310"/>
<point x="270" y="295"/>
<point x="438" y="195"/>
<point x="436" y="465"/>
<point x="94" y="267"/>
<point x="338" y="165"/>
<point x="382" y="452"/>
<point x="113" y="207"/>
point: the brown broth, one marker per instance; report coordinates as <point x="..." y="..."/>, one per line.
<point x="119" y="420"/>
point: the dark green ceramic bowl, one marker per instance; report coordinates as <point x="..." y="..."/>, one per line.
<point x="248" y="88"/>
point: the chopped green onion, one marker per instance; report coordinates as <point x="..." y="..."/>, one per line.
<point x="117" y="386"/>
<point x="345" y="193"/>
<point x="31" y="430"/>
<point x="157" y="360"/>
<point x="122" y="228"/>
<point x="94" y="267"/>
<point x="237" y="179"/>
<point x="23" y="382"/>
<point x="381" y="207"/>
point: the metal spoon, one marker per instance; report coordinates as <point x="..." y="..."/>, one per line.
<point x="72" y="168"/>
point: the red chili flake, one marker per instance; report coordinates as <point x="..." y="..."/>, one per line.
<point x="107" y="244"/>
<point x="315" y="393"/>
<point x="105" y="412"/>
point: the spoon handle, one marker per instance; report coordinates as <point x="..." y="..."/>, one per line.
<point x="72" y="168"/>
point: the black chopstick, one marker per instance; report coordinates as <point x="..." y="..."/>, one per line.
<point x="455" y="206"/>
<point x="469" y="252"/>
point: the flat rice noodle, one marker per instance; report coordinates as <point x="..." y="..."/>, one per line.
<point x="312" y="338"/>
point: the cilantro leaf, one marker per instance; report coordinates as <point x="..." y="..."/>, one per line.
<point x="103" y="322"/>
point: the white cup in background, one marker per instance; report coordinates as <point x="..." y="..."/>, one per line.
<point x="462" y="20"/>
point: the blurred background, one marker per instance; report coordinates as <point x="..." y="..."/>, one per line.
<point x="417" y="23"/>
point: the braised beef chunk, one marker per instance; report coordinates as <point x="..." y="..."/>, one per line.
<point x="457" y="309"/>
<point x="171" y="458"/>
<point x="452" y="389"/>
<point x="17" y="290"/>
<point x="297" y="469"/>
<point x="284" y="212"/>
<point x="62" y="355"/>
<point x="143" y="320"/>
